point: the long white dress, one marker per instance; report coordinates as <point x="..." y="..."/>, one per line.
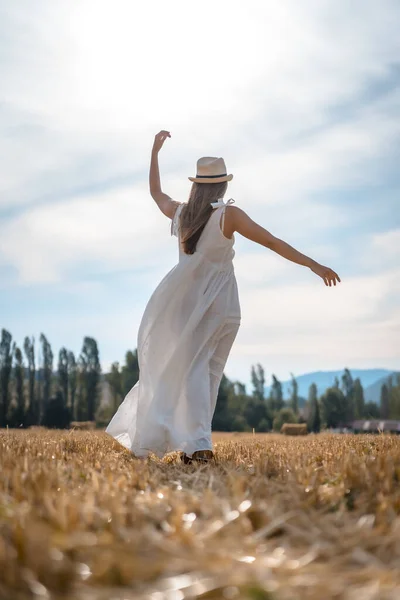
<point x="184" y="339"/>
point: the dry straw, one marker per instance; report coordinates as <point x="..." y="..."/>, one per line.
<point x="276" y="517"/>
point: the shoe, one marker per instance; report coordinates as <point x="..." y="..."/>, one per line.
<point x="185" y="458"/>
<point x="203" y="456"/>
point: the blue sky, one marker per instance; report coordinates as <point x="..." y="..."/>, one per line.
<point x="303" y="102"/>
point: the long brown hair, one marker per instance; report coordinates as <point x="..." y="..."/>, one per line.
<point x="195" y="214"/>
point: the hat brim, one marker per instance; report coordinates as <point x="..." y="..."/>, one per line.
<point x="211" y="179"/>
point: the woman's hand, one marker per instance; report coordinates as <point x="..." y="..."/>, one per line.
<point x="325" y="273"/>
<point x="160" y="139"/>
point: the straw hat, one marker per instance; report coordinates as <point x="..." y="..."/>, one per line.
<point x="211" y="170"/>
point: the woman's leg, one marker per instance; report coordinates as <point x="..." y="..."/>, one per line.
<point x="191" y="426"/>
<point x="226" y="337"/>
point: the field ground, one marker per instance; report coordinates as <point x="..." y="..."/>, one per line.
<point x="276" y="517"/>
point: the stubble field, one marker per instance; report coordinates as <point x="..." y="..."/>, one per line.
<point x="275" y="517"/>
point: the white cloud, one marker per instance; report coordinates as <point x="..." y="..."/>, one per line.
<point x="117" y="230"/>
<point x="386" y="248"/>
<point x="95" y="81"/>
<point x="311" y="324"/>
<point x="280" y="89"/>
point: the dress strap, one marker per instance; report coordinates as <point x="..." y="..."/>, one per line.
<point x="175" y="220"/>
<point x="221" y="203"/>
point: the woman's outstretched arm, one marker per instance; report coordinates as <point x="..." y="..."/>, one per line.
<point x="164" y="202"/>
<point x="243" y="224"/>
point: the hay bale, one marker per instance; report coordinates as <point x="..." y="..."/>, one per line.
<point x="294" y="429"/>
<point x="83" y="425"/>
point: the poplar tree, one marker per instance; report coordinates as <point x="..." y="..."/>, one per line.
<point x="294" y="397"/>
<point x="114" y="379"/>
<point x="334" y="408"/>
<point x="394" y="398"/>
<point x="33" y="409"/>
<point x="130" y="371"/>
<point x="359" y="402"/>
<point x="314" y="418"/>
<point x="384" y="404"/>
<point x="47" y="375"/>
<point x="348" y="391"/>
<point x="19" y="416"/>
<point x="276" y="395"/>
<point x="62" y="370"/>
<point x="258" y="381"/>
<point x="6" y="353"/>
<point x="72" y="383"/>
<point x="89" y="370"/>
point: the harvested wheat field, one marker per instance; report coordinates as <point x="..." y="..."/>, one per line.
<point x="277" y="517"/>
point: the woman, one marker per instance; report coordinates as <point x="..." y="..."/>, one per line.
<point x="192" y="318"/>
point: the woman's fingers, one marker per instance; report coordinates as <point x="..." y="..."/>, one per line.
<point x="160" y="138"/>
<point x="330" y="277"/>
<point x="163" y="134"/>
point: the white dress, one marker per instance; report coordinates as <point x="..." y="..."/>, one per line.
<point x="184" y="339"/>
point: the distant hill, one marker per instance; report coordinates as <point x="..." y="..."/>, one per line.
<point x="324" y="379"/>
<point x="372" y="393"/>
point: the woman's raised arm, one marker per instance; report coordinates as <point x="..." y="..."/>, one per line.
<point x="243" y="224"/>
<point x="164" y="202"/>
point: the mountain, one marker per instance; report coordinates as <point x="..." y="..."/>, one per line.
<point x="325" y="379"/>
<point x="372" y="393"/>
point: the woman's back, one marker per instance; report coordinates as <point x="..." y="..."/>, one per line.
<point x="212" y="245"/>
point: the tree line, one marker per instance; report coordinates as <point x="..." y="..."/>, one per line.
<point x="336" y="407"/>
<point x="33" y="392"/>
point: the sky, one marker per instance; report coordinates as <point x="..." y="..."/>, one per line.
<point x="301" y="99"/>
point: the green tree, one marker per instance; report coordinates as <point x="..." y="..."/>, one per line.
<point x="258" y="381"/>
<point x="255" y="412"/>
<point x="130" y="371"/>
<point x="237" y="402"/>
<point x="334" y="408"/>
<point x="348" y="390"/>
<point x="384" y="402"/>
<point x="394" y="397"/>
<point x="359" y="404"/>
<point x="314" y="419"/>
<point x="222" y="418"/>
<point x="89" y="370"/>
<point x="312" y="393"/>
<point x="239" y="423"/>
<point x="114" y="379"/>
<point x="81" y="408"/>
<point x="33" y="408"/>
<point x="6" y="353"/>
<point x="62" y="370"/>
<point x="19" y="414"/>
<point x="284" y="415"/>
<point x="275" y="401"/>
<point x="47" y="375"/>
<point x="56" y="415"/>
<point x="294" y="396"/>
<point x="72" y="383"/>
<point x="371" y="411"/>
